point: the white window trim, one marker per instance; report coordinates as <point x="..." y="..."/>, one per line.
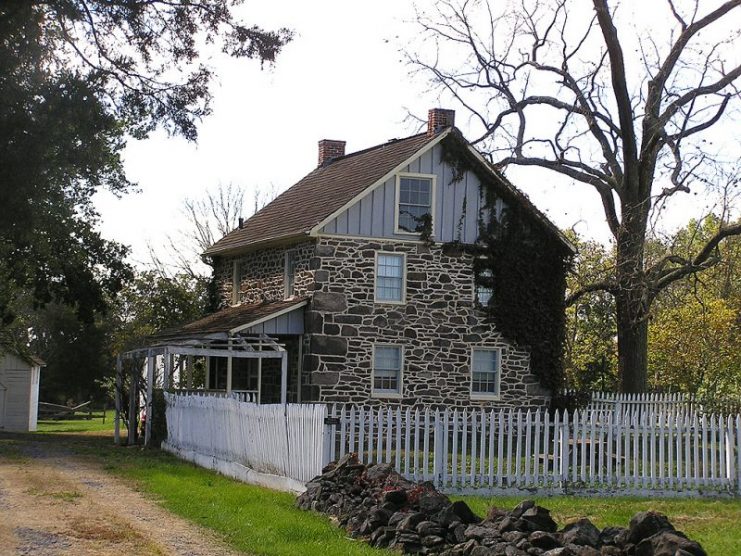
<point x="403" y="279"/>
<point x="483" y="395"/>
<point x="397" y="198"/>
<point x="286" y="294"/>
<point x="383" y="394"/>
<point x="236" y="283"/>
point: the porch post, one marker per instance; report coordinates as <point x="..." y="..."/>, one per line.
<point x="229" y="368"/>
<point x="117" y="397"/>
<point x="168" y="357"/>
<point x="151" y="360"/>
<point x="283" y="377"/>
<point x="133" y="401"/>
<point x="189" y="371"/>
<point x="259" y="374"/>
<point x="207" y="383"/>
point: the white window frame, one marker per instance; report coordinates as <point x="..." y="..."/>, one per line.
<point x="476" y="292"/>
<point x="288" y="254"/>
<point x="433" y="197"/>
<point x="236" y="283"/>
<point x="388" y="394"/>
<point x="403" y="299"/>
<point x="485" y="395"/>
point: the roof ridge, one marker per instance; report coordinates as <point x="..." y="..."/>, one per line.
<point x="369" y="149"/>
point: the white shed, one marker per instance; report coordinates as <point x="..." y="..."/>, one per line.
<point x="19" y="392"/>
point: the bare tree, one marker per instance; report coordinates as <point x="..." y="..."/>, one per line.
<point x="206" y="220"/>
<point x="574" y="87"/>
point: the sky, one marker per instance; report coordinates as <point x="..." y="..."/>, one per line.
<point x="342" y="77"/>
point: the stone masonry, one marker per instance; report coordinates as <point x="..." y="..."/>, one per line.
<point x="437" y="326"/>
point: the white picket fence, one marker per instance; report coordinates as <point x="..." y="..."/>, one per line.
<point x="656" y="402"/>
<point x="276" y="440"/>
<point x="508" y="451"/>
<point x="671" y="453"/>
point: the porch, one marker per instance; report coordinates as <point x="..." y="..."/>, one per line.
<point x="251" y="353"/>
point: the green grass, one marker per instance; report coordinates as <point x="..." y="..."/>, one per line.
<point x="713" y="523"/>
<point x="251" y="519"/>
<point x="78" y="425"/>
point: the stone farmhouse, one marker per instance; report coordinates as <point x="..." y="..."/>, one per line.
<point x="352" y="271"/>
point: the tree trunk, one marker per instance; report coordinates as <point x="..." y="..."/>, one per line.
<point x="632" y="350"/>
<point x="631" y="299"/>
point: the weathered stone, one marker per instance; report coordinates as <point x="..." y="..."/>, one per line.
<point x="483" y="551"/>
<point x="325" y="378"/>
<point x="544" y="540"/>
<point x="581" y="532"/>
<point x="396" y="496"/>
<point x="480" y="532"/>
<point x="432" y="540"/>
<point x="560" y="551"/>
<point x="539" y="519"/>
<point x="379" y="472"/>
<point x="646" y="524"/>
<point x="410" y="522"/>
<point x="431" y="501"/>
<point x="329" y="302"/>
<point x="667" y="543"/>
<point x="328" y="345"/>
<point x="323" y="250"/>
<point x="522" y="507"/>
<point x="609" y="535"/>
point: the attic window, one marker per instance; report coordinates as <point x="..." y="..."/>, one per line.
<point x="236" y="285"/>
<point x="290" y="274"/>
<point x="415" y="195"/>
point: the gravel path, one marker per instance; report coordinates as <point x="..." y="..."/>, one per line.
<point x="53" y="504"/>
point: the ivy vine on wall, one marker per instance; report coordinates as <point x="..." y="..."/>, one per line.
<point x="527" y="266"/>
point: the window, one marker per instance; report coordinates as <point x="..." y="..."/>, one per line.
<point x="484" y="293"/>
<point x="485" y="366"/>
<point x="414" y="202"/>
<point x="289" y="279"/>
<point x="387" y="365"/>
<point x="389" y="278"/>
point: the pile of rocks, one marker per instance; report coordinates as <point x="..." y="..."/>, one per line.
<point x="377" y="504"/>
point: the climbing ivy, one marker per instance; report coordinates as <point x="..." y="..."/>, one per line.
<point x="527" y="267"/>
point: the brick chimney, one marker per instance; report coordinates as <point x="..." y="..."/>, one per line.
<point x="439" y="119"/>
<point x="329" y="149"/>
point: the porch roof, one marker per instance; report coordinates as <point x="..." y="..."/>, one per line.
<point x="231" y="320"/>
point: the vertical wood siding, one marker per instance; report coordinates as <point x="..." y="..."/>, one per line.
<point x="373" y="214"/>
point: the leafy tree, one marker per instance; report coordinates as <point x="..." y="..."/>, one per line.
<point x="77" y="77"/>
<point x="590" y="354"/>
<point x="627" y="115"/>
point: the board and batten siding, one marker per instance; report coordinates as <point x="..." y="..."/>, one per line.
<point x="287" y="323"/>
<point x="20" y="394"/>
<point x="373" y="215"/>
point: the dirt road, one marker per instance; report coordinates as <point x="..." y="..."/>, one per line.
<point x="54" y="504"/>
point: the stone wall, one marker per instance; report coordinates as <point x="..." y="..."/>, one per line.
<point x="262" y="274"/>
<point x="437" y="326"/>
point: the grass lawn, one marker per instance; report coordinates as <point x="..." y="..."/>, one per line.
<point x="78" y="425"/>
<point x="715" y="524"/>
<point x="260" y="521"/>
<point x="251" y="519"/>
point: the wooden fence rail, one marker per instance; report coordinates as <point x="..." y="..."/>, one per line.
<point x="506" y="451"/>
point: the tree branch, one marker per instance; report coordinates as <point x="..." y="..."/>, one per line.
<point x="606" y="286"/>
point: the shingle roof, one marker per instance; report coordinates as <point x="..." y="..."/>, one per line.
<point x="228" y="319"/>
<point x="319" y="194"/>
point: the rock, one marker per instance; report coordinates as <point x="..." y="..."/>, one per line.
<point x="397" y="518"/>
<point x="513" y="536"/>
<point x="431" y="502"/>
<point x="544" y="540"/>
<point x="397" y="496"/>
<point x="432" y="540"/>
<point x="410" y="522"/>
<point x="560" y="551"/>
<point x="646" y="524"/>
<point x="483" y="551"/>
<point x="539" y="519"/>
<point x="581" y="532"/>
<point x="610" y="550"/>
<point x="457" y="511"/>
<point x="378" y="473"/>
<point x="480" y="532"/>
<point x="522" y="507"/>
<point x="495" y="514"/>
<point x="581" y="550"/>
<point x="609" y="535"/>
<point x="507" y="524"/>
<point x="667" y="543"/>
<point x="425" y="528"/>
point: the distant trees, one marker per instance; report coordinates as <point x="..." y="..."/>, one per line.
<point x="572" y="87"/>
<point x="694" y="328"/>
